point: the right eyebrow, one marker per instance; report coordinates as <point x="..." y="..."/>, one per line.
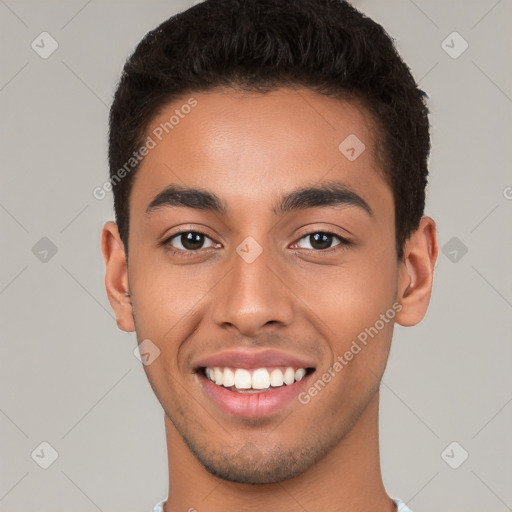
<point x="175" y="195"/>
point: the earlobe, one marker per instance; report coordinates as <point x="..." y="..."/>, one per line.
<point x="116" y="276"/>
<point x="416" y="273"/>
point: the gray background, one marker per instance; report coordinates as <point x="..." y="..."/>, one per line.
<point x="69" y="377"/>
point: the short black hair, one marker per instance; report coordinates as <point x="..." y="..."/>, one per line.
<point x="327" y="46"/>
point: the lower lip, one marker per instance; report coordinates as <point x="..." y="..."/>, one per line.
<point x="252" y="405"/>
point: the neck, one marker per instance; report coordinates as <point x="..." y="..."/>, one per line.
<point x="348" y="478"/>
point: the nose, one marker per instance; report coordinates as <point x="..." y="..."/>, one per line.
<point x="253" y="296"/>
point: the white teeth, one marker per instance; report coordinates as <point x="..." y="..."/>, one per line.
<point x="260" y="378"/>
<point x="299" y="374"/>
<point x="276" y="378"/>
<point x="289" y="376"/>
<point x="219" y="376"/>
<point x="242" y="379"/>
<point x="229" y="378"/>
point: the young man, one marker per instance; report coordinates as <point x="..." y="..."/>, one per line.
<point x="268" y="161"/>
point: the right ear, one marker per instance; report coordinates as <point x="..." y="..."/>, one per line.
<point x="116" y="276"/>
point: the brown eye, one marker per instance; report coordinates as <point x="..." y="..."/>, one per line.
<point x="188" y="241"/>
<point x="321" y="240"/>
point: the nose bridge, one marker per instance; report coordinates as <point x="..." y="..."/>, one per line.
<point x="252" y="295"/>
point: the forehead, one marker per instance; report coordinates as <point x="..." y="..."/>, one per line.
<point x="246" y="147"/>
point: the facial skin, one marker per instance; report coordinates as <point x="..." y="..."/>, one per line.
<point x="250" y="150"/>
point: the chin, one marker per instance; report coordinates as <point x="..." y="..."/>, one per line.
<point x="249" y="465"/>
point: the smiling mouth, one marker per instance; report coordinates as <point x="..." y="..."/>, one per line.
<point x="254" y="380"/>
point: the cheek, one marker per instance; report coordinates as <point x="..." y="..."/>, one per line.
<point x="166" y="296"/>
<point x="356" y="302"/>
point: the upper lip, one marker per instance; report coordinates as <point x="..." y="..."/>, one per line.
<point x="252" y="359"/>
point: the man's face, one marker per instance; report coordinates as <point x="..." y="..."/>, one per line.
<point x="253" y="287"/>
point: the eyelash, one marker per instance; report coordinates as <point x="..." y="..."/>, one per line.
<point x="180" y="252"/>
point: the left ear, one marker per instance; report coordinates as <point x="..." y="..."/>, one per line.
<point x="416" y="273"/>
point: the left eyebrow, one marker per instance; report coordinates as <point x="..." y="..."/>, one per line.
<point x="332" y="193"/>
<point x="327" y="194"/>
